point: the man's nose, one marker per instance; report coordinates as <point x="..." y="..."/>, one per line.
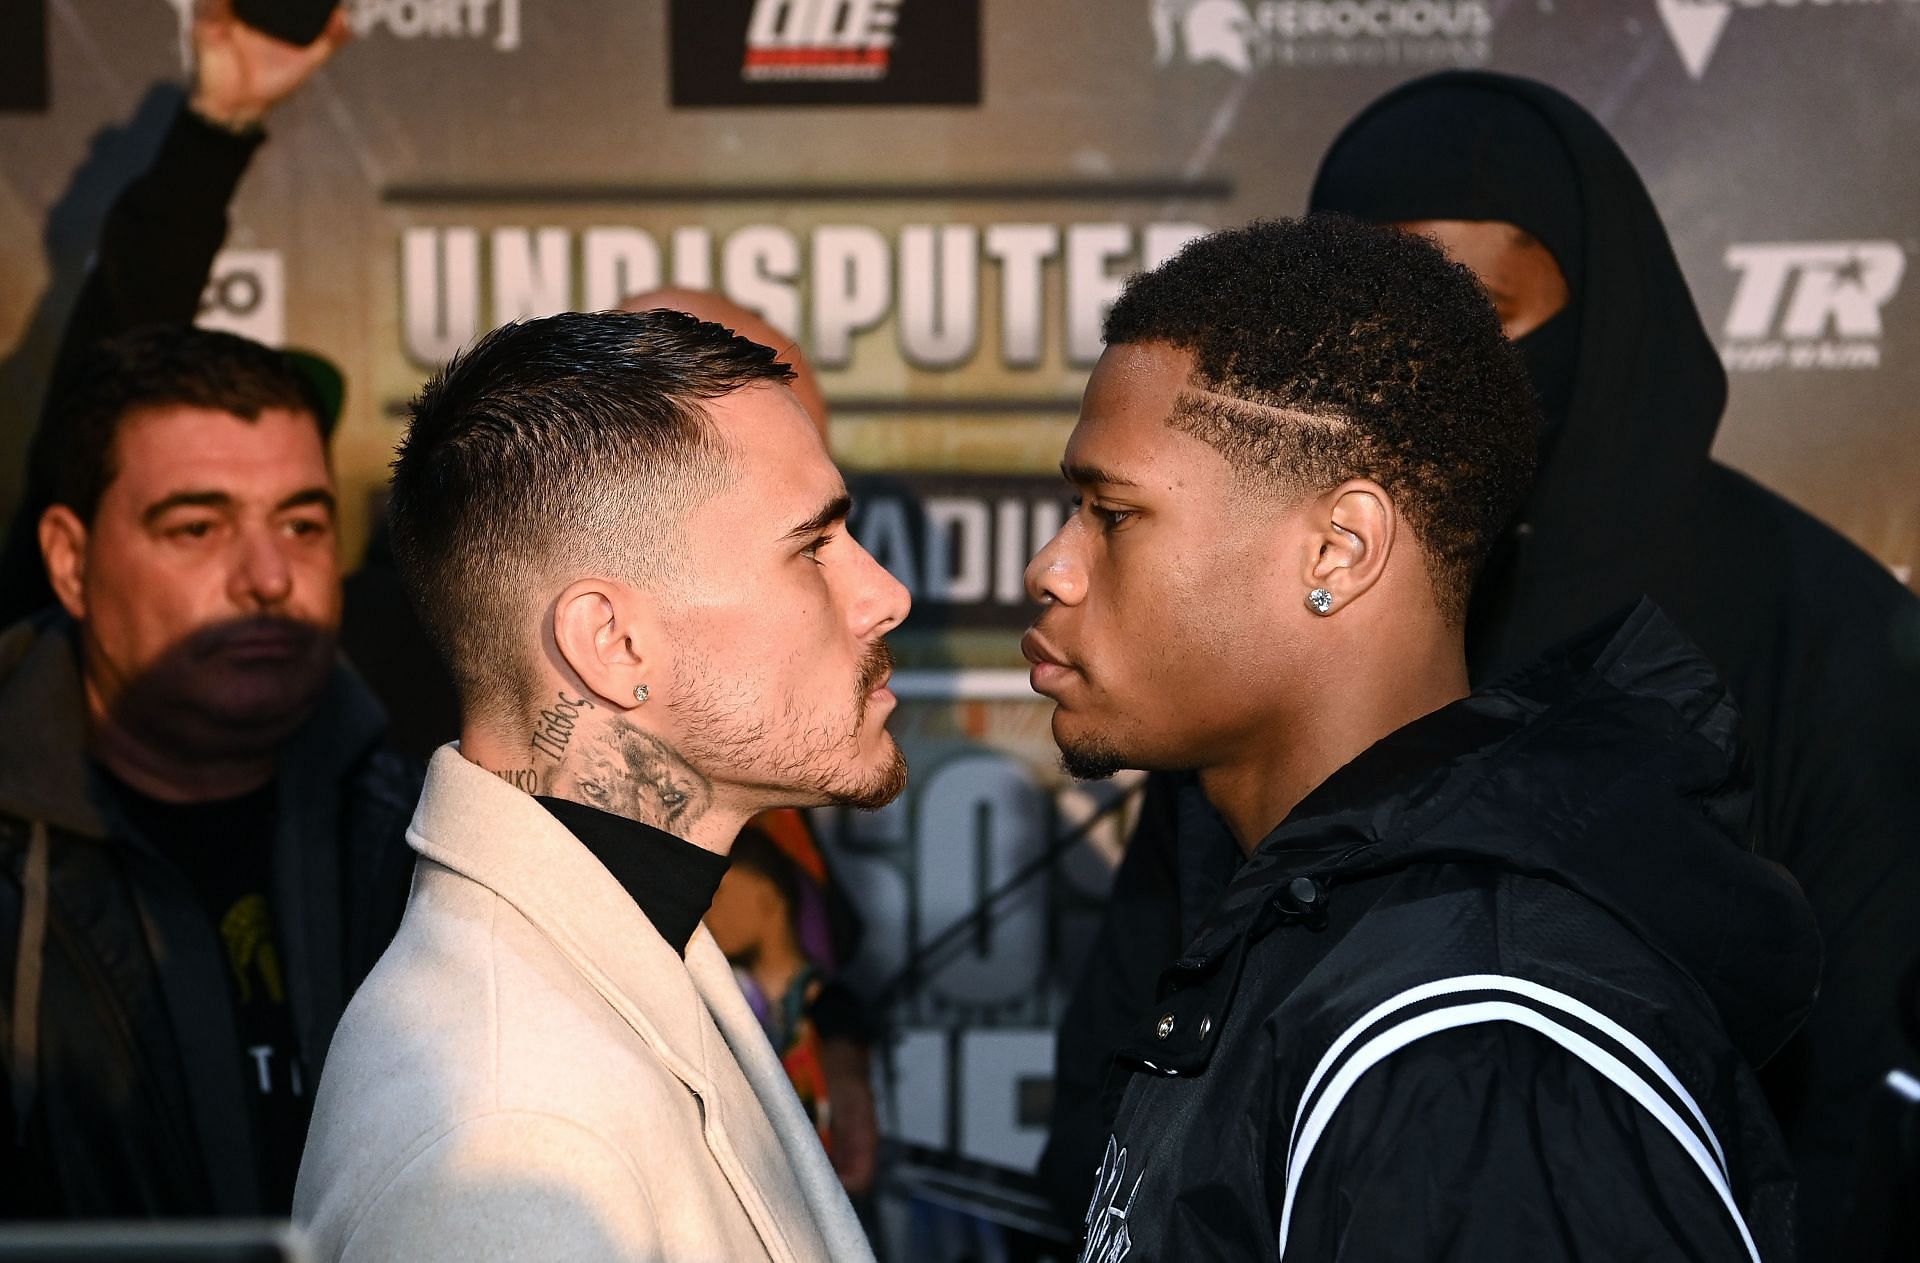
<point x="884" y="603"/>
<point x="1055" y="573"/>
<point x="262" y="579"/>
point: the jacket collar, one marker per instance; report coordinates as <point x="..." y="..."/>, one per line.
<point x="1611" y="766"/>
<point x="474" y="823"/>
<point x="43" y="729"/>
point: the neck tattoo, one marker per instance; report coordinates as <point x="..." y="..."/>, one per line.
<point x="613" y="766"/>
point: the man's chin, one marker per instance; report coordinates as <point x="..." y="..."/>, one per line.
<point x="878" y="787"/>
<point x="221" y="712"/>
<point x="1088" y="756"/>
<point x="1088" y="763"/>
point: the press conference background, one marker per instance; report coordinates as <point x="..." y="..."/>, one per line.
<point x="468" y="161"/>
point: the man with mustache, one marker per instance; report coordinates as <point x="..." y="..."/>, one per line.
<point x="200" y="822"/>
<point x="1491" y="977"/>
<point x="628" y="541"/>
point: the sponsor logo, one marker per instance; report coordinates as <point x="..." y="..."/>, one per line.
<point x="1810" y="304"/>
<point x="1696" y="26"/>
<point x="1109" y="1238"/>
<point x="246" y="294"/>
<point x="820" y="40"/>
<point x="496" y="21"/>
<point x="825" y="52"/>
<point x="1245" y="35"/>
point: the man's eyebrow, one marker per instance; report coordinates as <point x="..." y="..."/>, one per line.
<point x="185" y="500"/>
<point x="834" y="510"/>
<point x="1081" y="474"/>
<point x="311" y="495"/>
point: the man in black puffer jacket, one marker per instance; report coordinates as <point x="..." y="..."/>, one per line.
<point x="202" y="826"/>
<point x="1808" y="631"/>
<point x="1492" y="978"/>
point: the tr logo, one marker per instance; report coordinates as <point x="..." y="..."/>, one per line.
<point x="1812" y="289"/>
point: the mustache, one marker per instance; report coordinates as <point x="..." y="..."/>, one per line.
<point x="875" y="667"/>
<point x="220" y="636"/>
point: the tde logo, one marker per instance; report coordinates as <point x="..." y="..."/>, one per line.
<point x="1810" y="304"/>
<point x="825" y="52"/>
<point x="820" y="39"/>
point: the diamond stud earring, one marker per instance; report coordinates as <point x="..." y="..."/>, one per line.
<point x="1320" y="601"/>
<point x="640" y="695"/>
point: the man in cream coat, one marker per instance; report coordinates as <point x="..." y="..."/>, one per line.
<point x="630" y="544"/>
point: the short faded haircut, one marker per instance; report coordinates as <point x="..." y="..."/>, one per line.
<point x="576" y="441"/>
<point x="1325" y="349"/>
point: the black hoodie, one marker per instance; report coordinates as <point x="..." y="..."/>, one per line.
<point x="1490" y="992"/>
<point x="1805" y="628"/>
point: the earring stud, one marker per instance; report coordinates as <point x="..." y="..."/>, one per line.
<point x="640" y="695"/>
<point x="1320" y="601"/>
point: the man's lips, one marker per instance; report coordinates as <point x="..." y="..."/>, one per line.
<point x="876" y="669"/>
<point x="1049" y="665"/>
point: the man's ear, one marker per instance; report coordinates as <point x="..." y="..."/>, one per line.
<point x="604" y="633"/>
<point x="1352" y="535"/>
<point x="63" y="546"/>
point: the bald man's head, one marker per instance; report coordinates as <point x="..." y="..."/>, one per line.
<point x="721" y="310"/>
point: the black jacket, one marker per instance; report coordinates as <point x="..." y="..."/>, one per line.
<point x="1490" y="992"/>
<point x="127" y="1095"/>
<point x="1806" y="630"/>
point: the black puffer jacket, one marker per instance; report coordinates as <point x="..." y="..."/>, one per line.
<point x="1491" y="992"/>
<point x="124" y="1085"/>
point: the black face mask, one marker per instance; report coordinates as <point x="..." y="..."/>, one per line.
<point x="1552" y="353"/>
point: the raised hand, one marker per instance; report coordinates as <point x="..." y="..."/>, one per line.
<point x="239" y="74"/>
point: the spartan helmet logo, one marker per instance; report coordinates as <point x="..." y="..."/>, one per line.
<point x="1211" y="30"/>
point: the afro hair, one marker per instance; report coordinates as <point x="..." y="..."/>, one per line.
<point x="1325" y="349"/>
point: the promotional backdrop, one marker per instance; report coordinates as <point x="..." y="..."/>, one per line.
<point x="939" y="198"/>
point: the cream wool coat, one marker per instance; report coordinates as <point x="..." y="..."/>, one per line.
<point x="531" y="1072"/>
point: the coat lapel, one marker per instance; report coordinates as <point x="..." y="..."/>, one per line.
<point x="690" y="1013"/>
<point x="783" y="1134"/>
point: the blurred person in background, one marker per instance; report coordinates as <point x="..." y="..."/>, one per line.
<point x="810" y="1019"/>
<point x="1524" y="186"/>
<point x="158" y="243"/>
<point x="201" y="826"/>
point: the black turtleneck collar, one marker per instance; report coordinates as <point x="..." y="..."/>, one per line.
<point x="671" y="879"/>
